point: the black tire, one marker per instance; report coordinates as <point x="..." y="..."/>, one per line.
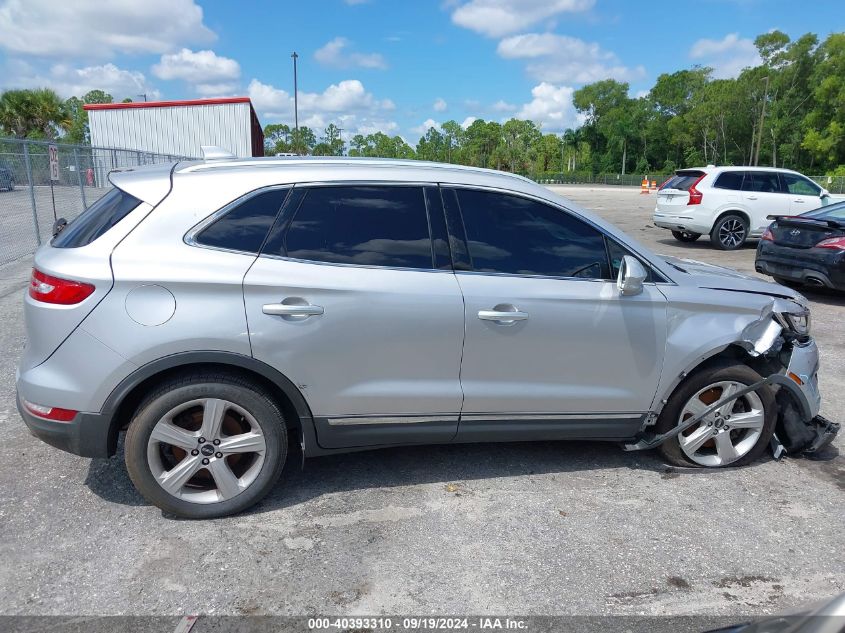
<point x="252" y="398"/>
<point x="730" y="232"/>
<point x="724" y="371"/>
<point x="685" y="236"/>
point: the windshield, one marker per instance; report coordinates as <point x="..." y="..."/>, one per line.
<point x="683" y="180"/>
<point x="96" y="220"/>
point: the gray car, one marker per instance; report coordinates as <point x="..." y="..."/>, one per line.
<point x="215" y="310"/>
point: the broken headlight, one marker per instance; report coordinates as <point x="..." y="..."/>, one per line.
<point x="796" y="322"/>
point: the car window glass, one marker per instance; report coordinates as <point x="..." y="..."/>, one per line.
<point x="832" y="212"/>
<point x="96" y="219"/>
<point x="510" y="234"/>
<point x="244" y="227"/>
<point x="800" y="186"/>
<point x="761" y="182"/>
<point x="683" y="180"/>
<point x="365" y="225"/>
<point x="729" y="180"/>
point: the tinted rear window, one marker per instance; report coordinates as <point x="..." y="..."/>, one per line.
<point x="244" y="227"/>
<point x="96" y="220"/>
<point x="832" y="212"/>
<point x="729" y="180"/>
<point x="683" y="180"/>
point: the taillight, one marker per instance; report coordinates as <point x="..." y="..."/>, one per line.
<point x="49" y="413"/>
<point x="695" y="196"/>
<point x="49" y="289"/>
<point x="768" y="235"/>
<point x="834" y="243"/>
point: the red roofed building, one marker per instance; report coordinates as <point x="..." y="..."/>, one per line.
<point x="178" y="127"/>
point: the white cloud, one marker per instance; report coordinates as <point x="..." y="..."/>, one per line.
<point x="439" y="105"/>
<point x="495" y="18"/>
<point x="425" y="126"/>
<point x="336" y="54"/>
<point x="99" y="29"/>
<point x="503" y="106"/>
<point x="728" y="56"/>
<point x="551" y="108"/>
<point x="560" y="58"/>
<point x="469" y="121"/>
<point x="68" y="81"/>
<point x="346" y="103"/>
<point x="200" y="67"/>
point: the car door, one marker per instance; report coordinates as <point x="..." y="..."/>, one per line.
<point x="763" y="195"/>
<point x="552" y="350"/>
<point x="347" y="301"/>
<point x="804" y="194"/>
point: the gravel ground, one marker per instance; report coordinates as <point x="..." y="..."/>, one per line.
<point x="534" y="529"/>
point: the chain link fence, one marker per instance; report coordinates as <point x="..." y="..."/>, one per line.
<point x="30" y="201"/>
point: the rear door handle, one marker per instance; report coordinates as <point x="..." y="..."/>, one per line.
<point x="798" y="201"/>
<point x="751" y="197"/>
<point x="503" y="317"/>
<point x="285" y="309"/>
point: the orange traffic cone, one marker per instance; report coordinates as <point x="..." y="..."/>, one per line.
<point x="654" y="185"/>
<point x="644" y="186"/>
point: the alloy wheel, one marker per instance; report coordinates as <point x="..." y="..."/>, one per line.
<point x="732" y="233"/>
<point x="727" y="434"/>
<point x="206" y="451"/>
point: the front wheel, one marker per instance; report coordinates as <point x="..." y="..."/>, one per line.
<point x="729" y="233"/>
<point x="736" y="434"/>
<point x="685" y="236"/>
<point x="206" y="446"/>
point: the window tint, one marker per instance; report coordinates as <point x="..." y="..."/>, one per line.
<point x="244" y="227"/>
<point x="509" y="234"/>
<point x="729" y="180"/>
<point x="761" y="181"/>
<point x="96" y="220"/>
<point x="683" y="180"/>
<point x="833" y="212"/>
<point x="800" y="186"/>
<point x="375" y="226"/>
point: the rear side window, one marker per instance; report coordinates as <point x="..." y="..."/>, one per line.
<point x="761" y="182"/>
<point x="729" y="180"/>
<point x="364" y="225"/>
<point x="800" y="186"/>
<point x="96" y="220"/>
<point x="510" y="234"/>
<point x="833" y="212"/>
<point x="244" y="227"/>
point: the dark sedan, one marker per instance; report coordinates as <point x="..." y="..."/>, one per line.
<point x="807" y="249"/>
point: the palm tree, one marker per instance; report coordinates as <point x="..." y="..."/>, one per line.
<point x="37" y="112"/>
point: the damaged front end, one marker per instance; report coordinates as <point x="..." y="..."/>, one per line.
<point x="779" y="347"/>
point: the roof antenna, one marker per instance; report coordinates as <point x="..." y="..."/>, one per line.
<point x="213" y="152"/>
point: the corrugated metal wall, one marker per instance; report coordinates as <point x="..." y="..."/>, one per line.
<point x="174" y="130"/>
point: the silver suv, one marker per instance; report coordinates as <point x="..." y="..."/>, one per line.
<point x="215" y="309"/>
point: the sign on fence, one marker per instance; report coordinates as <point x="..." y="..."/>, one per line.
<point x="54" y="162"/>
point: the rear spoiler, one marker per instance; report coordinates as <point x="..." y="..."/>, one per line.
<point x="799" y="219"/>
<point x="149" y="183"/>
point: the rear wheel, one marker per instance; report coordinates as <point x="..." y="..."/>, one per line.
<point x="206" y="446"/>
<point x="734" y="435"/>
<point x="685" y="236"/>
<point x="729" y="233"/>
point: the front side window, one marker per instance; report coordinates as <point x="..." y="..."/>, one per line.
<point x="96" y="219"/>
<point x="510" y="234"/>
<point x="364" y="225"/>
<point x="800" y="186"/>
<point x="761" y="182"/>
<point x="244" y="227"/>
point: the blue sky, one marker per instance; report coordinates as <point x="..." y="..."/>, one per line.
<point x="394" y="65"/>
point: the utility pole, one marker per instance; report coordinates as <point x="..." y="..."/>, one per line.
<point x="762" y="118"/>
<point x="340" y="138"/>
<point x="294" y="56"/>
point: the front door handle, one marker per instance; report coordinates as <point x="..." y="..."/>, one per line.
<point x="285" y="309"/>
<point x="798" y="201"/>
<point x="503" y="314"/>
<point x="751" y="197"/>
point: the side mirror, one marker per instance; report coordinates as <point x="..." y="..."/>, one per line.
<point x="631" y="276"/>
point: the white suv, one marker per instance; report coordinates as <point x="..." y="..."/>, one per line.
<point x="731" y="204"/>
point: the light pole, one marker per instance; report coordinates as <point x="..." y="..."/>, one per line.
<point x="294" y="56"/>
<point x="340" y="138"/>
<point x="762" y="119"/>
